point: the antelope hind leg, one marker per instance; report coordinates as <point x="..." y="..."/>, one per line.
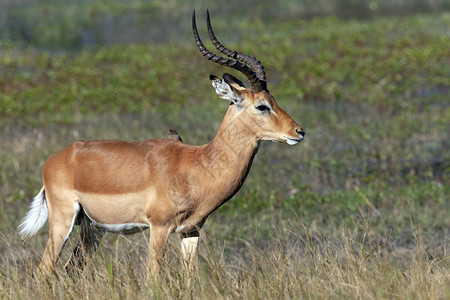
<point x="61" y="222"/>
<point x="89" y="241"/>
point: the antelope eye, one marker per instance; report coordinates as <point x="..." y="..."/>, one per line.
<point x="262" y="108"/>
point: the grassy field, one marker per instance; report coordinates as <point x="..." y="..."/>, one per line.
<point x="358" y="210"/>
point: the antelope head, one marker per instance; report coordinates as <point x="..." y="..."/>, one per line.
<point x="255" y="105"/>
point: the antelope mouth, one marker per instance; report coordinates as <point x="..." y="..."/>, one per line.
<point x="291" y="141"/>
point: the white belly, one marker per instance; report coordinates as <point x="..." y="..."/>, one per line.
<point x="125" y="228"/>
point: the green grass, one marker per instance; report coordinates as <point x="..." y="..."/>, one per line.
<point x="389" y="64"/>
<point x="357" y="210"/>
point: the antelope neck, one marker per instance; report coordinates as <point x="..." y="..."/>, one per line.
<point x="233" y="148"/>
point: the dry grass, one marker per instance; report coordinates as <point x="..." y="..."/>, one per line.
<point x="299" y="262"/>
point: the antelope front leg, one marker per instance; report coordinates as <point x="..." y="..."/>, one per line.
<point x="157" y="246"/>
<point x="189" y="247"/>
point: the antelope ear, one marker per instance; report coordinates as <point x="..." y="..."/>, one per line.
<point x="225" y="91"/>
<point x="233" y="81"/>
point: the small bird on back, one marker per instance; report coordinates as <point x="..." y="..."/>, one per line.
<point x="174" y="135"/>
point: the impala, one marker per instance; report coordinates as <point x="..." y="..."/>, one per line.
<point x="163" y="185"/>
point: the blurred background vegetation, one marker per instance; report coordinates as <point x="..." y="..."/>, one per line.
<point x="77" y="24"/>
<point x="368" y="81"/>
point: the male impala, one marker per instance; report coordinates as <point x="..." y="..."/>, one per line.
<point x="164" y="184"/>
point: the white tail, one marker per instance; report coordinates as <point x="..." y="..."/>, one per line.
<point x="36" y="216"/>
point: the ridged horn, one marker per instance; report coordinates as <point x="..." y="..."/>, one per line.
<point x="255" y="73"/>
<point x="255" y="64"/>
